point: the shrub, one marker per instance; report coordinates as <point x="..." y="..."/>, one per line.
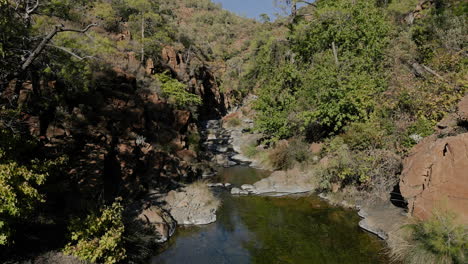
<point x="98" y="237"/>
<point x="279" y="156"/>
<point x="372" y="169"/>
<point x="18" y="192"/>
<point x="436" y="240"/>
<point x="364" y="135"/>
<point x="250" y="151"/>
<point x="234" y="122"/>
<point x="193" y="139"/>
<point x="176" y="91"/>
<point x="287" y="154"/>
<point x="419" y="129"/>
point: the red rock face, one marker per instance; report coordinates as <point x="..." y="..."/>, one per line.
<point x="435" y="176"/>
<point x="201" y="82"/>
<point x="463" y="110"/>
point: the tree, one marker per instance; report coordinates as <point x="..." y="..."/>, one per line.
<point x="144" y="14"/>
<point x="265" y="18"/>
<point x="99" y="237"/>
<point x="293" y="5"/>
<point x="18" y="192"/>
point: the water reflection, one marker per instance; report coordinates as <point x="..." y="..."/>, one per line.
<point x="275" y="230"/>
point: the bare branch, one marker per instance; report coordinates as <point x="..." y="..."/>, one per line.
<point x="308" y="3"/>
<point x="78" y="30"/>
<point x="71" y="52"/>
<point x="30" y="10"/>
<point x="431" y="71"/>
<point x="47" y="39"/>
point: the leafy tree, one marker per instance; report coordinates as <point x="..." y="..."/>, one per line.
<point x="275" y="103"/>
<point x="18" y="183"/>
<point x="99" y="237"/>
<point x="18" y="192"/>
<point x="147" y="24"/>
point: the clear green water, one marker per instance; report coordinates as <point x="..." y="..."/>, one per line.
<point x="293" y="229"/>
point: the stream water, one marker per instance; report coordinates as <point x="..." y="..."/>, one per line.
<point x="256" y="229"/>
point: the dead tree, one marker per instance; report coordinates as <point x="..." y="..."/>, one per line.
<point x="37" y="51"/>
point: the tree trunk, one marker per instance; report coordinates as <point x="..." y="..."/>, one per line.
<point x="40" y="48"/>
<point x="142" y="38"/>
<point x="335" y="53"/>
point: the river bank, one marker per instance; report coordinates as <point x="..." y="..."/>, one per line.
<point x="300" y="228"/>
<point x="379" y="216"/>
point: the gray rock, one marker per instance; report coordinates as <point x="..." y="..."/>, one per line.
<point x="160" y="221"/>
<point x="285" y="182"/>
<point x="378" y="232"/>
<point x="227" y="185"/>
<point x="247" y="187"/>
<point x="222" y="149"/>
<point x="235" y="191"/>
<point x="242" y="192"/>
<point x="192" y="205"/>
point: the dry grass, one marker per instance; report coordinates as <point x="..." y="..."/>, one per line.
<point x="438" y="240"/>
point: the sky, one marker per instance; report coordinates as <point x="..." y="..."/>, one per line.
<point x="250" y="8"/>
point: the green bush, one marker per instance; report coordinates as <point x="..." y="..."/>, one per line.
<point x="371" y="169"/>
<point x="176" y="91"/>
<point x="438" y="240"/>
<point x="99" y="237"/>
<point x="19" y="194"/>
<point x="421" y="128"/>
<point x="193" y="140"/>
<point x="361" y="136"/>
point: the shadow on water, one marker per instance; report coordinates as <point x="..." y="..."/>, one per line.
<point x="293" y="229"/>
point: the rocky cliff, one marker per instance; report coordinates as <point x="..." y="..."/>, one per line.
<point x="121" y="138"/>
<point x="435" y="174"/>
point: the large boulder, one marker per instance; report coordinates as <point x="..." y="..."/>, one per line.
<point x="435" y="176"/>
<point x="160" y="221"/>
<point x="192" y="205"/>
<point x="285" y="182"/>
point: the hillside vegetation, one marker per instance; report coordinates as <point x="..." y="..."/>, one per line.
<point x="101" y="103"/>
<point x="361" y="78"/>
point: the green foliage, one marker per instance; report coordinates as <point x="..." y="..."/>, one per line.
<point x="193" y="140"/>
<point x="371" y="168"/>
<point x="443" y="237"/>
<point x="99" y="237"/>
<point x="250" y="150"/>
<point x="361" y="136"/>
<point x="439" y="239"/>
<point x="302" y="83"/>
<point x="358" y="28"/>
<point x="275" y="103"/>
<point x="234" y="122"/>
<point x="176" y="91"/>
<point x="109" y="16"/>
<point x="18" y="183"/>
<point x="422" y="128"/>
<point x="19" y="194"/>
<point x="14" y="31"/>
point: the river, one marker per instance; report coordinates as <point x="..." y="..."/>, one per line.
<point x="258" y="229"/>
